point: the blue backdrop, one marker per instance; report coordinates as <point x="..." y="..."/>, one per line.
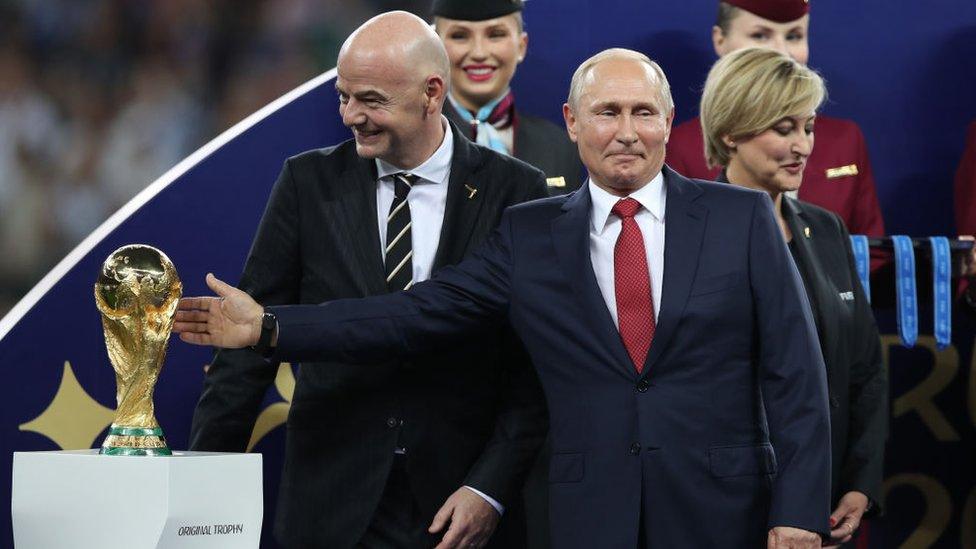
<point x="903" y="71"/>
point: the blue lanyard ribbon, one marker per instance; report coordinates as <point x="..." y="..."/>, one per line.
<point x="941" y="293"/>
<point x="862" y="261"/>
<point x="905" y="292"/>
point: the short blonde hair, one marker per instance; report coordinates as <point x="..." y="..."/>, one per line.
<point x="750" y="90"/>
<point x="580" y="76"/>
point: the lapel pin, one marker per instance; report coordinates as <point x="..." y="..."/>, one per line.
<point x="556" y="181"/>
<point x="471" y="191"/>
<point x="806" y="232"/>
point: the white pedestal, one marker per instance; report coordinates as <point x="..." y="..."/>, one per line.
<point x="82" y="500"/>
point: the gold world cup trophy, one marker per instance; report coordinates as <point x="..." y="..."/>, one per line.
<point x="137" y="293"/>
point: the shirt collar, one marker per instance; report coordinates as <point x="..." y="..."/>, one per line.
<point x="434" y="169"/>
<point x="480" y="114"/>
<point x="651" y="196"/>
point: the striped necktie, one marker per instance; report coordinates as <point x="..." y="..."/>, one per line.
<point x="399" y="249"/>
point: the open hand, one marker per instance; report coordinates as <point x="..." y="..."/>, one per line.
<point x="472" y="520"/>
<point x="231" y="321"/>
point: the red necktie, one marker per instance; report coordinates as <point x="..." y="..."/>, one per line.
<point x="632" y="285"/>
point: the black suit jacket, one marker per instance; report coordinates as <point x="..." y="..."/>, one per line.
<point x="849" y="339"/>
<point x="463" y="419"/>
<point x="542" y="144"/>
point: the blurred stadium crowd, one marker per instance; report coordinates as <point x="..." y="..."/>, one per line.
<point x="98" y="98"/>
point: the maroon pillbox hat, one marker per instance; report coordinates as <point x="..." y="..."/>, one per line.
<point x="781" y="11"/>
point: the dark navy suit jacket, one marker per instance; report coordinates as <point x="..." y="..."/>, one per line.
<point x="723" y="436"/>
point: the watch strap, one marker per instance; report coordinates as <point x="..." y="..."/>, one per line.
<point x="268" y="324"/>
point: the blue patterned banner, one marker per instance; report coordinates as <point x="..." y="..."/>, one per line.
<point x="862" y="260"/>
<point x="905" y="292"/>
<point x="941" y="291"/>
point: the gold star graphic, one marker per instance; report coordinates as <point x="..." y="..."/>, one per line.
<point x="277" y="413"/>
<point x="73" y="418"/>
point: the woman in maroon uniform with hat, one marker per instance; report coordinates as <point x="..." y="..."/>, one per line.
<point x="838" y="174"/>
<point x="486" y="41"/>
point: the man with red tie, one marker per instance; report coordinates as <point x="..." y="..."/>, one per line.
<point x="665" y="317"/>
<point x="838" y="175"/>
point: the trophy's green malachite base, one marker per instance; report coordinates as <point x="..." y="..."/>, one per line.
<point x="117" y="451"/>
<point x="135" y="441"/>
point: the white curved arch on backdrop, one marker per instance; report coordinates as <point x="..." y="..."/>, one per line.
<point x="81" y="250"/>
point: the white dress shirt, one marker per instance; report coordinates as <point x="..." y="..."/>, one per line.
<point x="605" y="228"/>
<point x="427" y="200"/>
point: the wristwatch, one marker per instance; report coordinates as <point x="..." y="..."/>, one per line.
<point x="269" y="322"/>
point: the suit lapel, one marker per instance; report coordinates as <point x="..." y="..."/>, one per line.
<point x="571" y="238"/>
<point x="684" y="223"/>
<point x="808" y="263"/>
<point x="465" y="198"/>
<point x="356" y="218"/>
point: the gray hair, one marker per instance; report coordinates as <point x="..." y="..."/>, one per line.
<point x="582" y="75"/>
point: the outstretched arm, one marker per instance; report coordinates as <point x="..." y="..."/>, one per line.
<point x="433" y="314"/>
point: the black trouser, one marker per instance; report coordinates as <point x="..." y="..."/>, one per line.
<point x="398" y="522"/>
